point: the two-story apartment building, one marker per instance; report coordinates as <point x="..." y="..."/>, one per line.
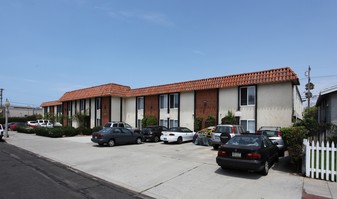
<point x="260" y="98"/>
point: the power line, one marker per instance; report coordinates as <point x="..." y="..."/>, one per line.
<point x="325" y="76"/>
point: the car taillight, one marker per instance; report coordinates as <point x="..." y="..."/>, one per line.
<point x="171" y="134"/>
<point x="222" y="153"/>
<point x="254" y="156"/>
<point x="278" y="134"/>
<point x="98" y="135"/>
<point x="233" y="130"/>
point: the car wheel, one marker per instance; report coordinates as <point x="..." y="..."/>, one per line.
<point x="215" y="147"/>
<point x="265" y="168"/>
<point x="111" y="143"/>
<point x="156" y="139"/>
<point x="180" y="140"/>
<point x="138" y="140"/>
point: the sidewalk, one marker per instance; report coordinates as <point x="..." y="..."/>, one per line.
<point x="171" y="171"/>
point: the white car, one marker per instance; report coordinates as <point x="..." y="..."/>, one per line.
<point x="45" y="123"/>
<point x="1" y="131"/>
<point x="177" y="134"/>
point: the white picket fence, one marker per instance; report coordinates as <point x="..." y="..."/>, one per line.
<point x="320" y="160"/>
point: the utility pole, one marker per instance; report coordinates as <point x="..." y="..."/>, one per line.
<point x="1" y="89"/>
<point x="309" y="86"/>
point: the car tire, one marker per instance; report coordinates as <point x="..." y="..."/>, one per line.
<point x="156" y="139"/>
<point x="165" y="142"/>
<point x="215" y="147"/>
<point x="111" y="143"/>
<point x="138" y="140"/>
<point x="265" y="168"/>
<point x="180" y="140"/>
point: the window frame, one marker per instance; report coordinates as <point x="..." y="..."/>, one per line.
<point x="250" y="95"/>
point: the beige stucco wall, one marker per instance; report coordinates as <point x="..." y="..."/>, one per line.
<point x="92" y="118"/>
<point x="187" y="110"/>
<point x="228" y="101"/>
<point x="115" y="108"/>
<point x="129" y="107"/>
<point x="275" y="105"/>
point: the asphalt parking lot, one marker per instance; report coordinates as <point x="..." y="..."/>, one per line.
<point x="163" y="170"/>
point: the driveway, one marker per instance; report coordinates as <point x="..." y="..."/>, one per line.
<point x="164" y="170"/>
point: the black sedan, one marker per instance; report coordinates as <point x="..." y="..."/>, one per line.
<point x="116" y="135"/>
<point x="248" y="152"/>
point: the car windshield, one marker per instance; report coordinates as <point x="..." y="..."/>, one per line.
<point x="269" y="133"/>
<point x="223" y="129"/>
<point x="244" y="141"/>
<point x="107" y="125"/>
<point x="105" y="130"/>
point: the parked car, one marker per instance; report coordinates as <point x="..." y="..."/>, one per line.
<point x="232" y="130"/>
<point x="177" y="134"/>
<point x="153" y="133"/>
<point x="248" y="152"/>
<point x="1" y="131"/>
<point x="121" y="124"/>
<point x="45" y="123"/>
<point x="274" y="135"/>
<point x="16" y="124"/>
<point x="32" y="124"/>
<point x="116" y="135"/>
<point x="203" y="136"/>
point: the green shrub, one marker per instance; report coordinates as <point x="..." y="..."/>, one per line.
<point x="95" y="129"/>
<point x="293" y="138"/>
<point x="210" y="121"/>
<point x="69" y="131"/>
<point x="83" y="131"/>
<point x="23" y="129"/>
<point x="198" y="123"/>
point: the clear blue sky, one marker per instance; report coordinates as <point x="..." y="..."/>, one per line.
<point x="49" y="47"/>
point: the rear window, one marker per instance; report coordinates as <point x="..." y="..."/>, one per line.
<point x="244" y="141"/>
<point x="269" y="133"/>
<point x="223" y="129"/>
<point x="107" y="125"/>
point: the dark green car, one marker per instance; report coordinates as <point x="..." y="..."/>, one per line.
<point x="116" y="136"/>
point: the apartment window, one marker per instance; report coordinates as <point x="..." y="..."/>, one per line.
<point x="174" y="100"/>
<point x="247" y="95"/>
<point x="70" y="107"/>
<point x="173" y="123"/>
<point x="248" y="125"/>
<point x="82" y="105"/>
<point x="98" y="103"/>
<point x="163" y="101"/>
<point x="140" y="103"/>
<point x="163" y="123"/>
<point x="59" y="108"/>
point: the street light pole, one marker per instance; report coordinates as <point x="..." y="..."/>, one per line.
<point x="7" y="104"/>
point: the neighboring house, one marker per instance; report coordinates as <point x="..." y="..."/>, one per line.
<point x="22" y="111"/>
<point x="327" y="108"/>
<point x="261" y="98"/>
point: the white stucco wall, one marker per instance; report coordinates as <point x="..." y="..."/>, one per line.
<point x="187" y="110"/>
<point x="92" y="118"/>
<point x="275" y="105"/>
<point x="129" y="107"/>
<point x="115" y="109"/>
<point x="228" y="101"/>
<point x="298" y="104"/>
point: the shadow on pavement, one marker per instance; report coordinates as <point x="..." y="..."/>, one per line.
<point x="239" y="174"/>
<point x="285" y="165"/>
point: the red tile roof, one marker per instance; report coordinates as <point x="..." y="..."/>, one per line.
<point x="97" y="91"/>
<point x="51" y="103"/>
<point x="261" y="77"/>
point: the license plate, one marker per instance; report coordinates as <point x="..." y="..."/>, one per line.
<point x="165" y="138"/>
<point x="236" y="155"/>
